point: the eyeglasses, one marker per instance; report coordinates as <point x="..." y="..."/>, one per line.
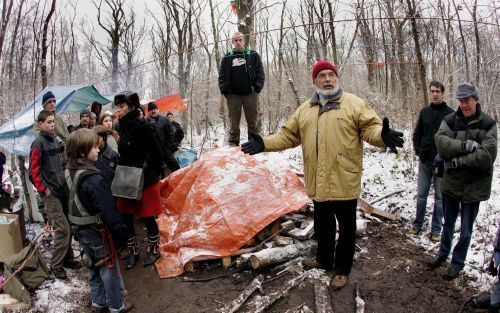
<point x="325" y="75"/>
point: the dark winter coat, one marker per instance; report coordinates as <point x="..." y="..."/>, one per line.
<point x="496" y="244"/>
<point x="179" y="134"/>
<point x="428" y="123"/>
<point x="166" y="131"/>
<point x="46" y="163"/>
<point x="254" y="69"/>
<point x="94" y="192"/>
<point x="106" y="163"/>
<point x="472" y="181"/>
<point x="139" y="142"/>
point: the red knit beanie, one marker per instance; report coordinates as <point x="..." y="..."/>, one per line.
<point x="323" y="65"/>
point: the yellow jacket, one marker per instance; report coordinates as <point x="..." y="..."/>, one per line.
<point x="332" y="145"/>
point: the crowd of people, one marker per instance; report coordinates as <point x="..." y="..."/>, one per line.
<point x="330" y="127"/>
<point x="73" y="169"/>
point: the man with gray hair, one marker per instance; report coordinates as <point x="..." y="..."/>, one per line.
<point x="241" y="79"/>
<point x="331" y="128"/>
<point x="467" y="142"/>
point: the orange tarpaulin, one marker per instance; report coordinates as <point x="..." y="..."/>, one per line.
<point x="172" y="103"/>
<point x="221" y="201"/>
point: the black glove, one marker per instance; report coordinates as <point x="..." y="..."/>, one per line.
<point x="492" y="270"/>
<point x="254" y="145"/>
<point x="392" y="138"/>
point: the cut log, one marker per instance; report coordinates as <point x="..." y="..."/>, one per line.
<point x="369" y="209"/>
<point x="282" y="241"/>
<point x="226" y="261"/>
<point x="189" y="266"/>
<point x="260" y="304"/>
<point x="256" y="284"/>
<point x="280" y="254"/>
<point x="322" y="298"/>
<point x="303" y="234"/>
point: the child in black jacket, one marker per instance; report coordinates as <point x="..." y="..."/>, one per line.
<point x="99" y="225"/>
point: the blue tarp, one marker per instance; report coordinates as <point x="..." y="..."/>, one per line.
<point x="17" y="134"/>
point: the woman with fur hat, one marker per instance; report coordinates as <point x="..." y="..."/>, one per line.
<point x="139" y="146"/>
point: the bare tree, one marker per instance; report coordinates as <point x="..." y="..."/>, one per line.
<point x="43" y="67"/>
<point x="115" y="26"/>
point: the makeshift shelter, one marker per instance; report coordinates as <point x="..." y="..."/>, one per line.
<point x="220" y="202"/>
<point x="17" y="134"/>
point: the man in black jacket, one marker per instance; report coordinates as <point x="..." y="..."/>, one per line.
<point x="429" y="119"/>
<point x="179" y="133"/>
<point x="241" y="79"/>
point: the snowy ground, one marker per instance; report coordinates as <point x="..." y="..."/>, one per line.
<point x="382" y="174"/>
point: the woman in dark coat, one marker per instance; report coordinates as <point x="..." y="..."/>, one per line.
<point x="139" y="146"/>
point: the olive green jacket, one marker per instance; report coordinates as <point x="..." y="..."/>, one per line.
<point x="332" y="144"/>
<point x="471" y="182"/>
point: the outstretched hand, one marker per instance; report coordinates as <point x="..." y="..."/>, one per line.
<point x="392" y="138"/>
<point x="254" y="145"/>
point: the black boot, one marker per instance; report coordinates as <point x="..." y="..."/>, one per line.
<point x="153" y="250"/>
<point x="133" y="252"/>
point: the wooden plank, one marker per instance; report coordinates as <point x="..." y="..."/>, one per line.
<point x="371" y="210"/>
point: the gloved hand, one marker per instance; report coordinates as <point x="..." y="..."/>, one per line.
<point x="254" y="145"/>
<point x="494" y="264"/>
<point x="470" y="146"/>
<point x="457" y="162"/>
<point x="392" y="138"/>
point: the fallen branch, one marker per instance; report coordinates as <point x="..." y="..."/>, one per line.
<point x="322" y="298"/>
<point x="190" y="280"/>
<point x="295" y="309"/>
<point x="369" y="209"/>
<point x="387" y="195"/>
<point x="359" y="303"/>
<point x="256" y="284"/>
<point x="260" y="304"/>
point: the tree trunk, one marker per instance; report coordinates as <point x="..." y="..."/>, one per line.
<point x="43" y="68"/>
<point x="421" y="65"/>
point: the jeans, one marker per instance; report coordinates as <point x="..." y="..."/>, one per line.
<point x="106" y="284"/>
<point x="425" y="178"/>
<point x="325" y="227"/>
<point x="468" y="213"/>
<point x="495" y="296"/>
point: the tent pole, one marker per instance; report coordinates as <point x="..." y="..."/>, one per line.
<point x="24" y="177"/>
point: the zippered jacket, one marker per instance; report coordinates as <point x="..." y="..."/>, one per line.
<point x="471" y="182"/>
<point x="332" y="144"/>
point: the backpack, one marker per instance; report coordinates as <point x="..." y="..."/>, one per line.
<point x="34" y="272"/>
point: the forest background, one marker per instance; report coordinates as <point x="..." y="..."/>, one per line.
<point x="387" y="51"/>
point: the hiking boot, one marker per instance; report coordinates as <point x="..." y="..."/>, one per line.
<point x="72" y="264"/>
<point x="59" y="272"/>
<point x="415" y="231"/>
<point x="436" y="261"/>
<point x="435" y="238"/>
<point x="482" y="301"/>
<point x="338" y="281"/>
<point x="153" y="250"/>
<point x="451" y="273"/>
<point x="133" y="252"/>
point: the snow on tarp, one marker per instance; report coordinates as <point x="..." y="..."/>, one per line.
<point x="17" y="134"/>
<point x="219" y="202"/>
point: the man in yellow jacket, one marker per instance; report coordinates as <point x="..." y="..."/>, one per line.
<point x="330" y="127"/>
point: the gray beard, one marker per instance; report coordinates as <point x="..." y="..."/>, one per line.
<point x="326" y="93"/>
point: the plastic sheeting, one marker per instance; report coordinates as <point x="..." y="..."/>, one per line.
<point x="17" y="134"/>
<point x="220" y="202"/>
